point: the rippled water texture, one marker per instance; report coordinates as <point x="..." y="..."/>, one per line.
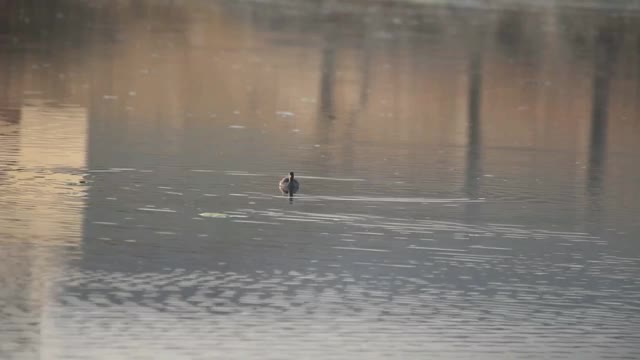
<point x="470" y="186"/>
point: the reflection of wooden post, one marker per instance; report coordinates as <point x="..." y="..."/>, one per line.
<point x="365" y="75"/>
<point x="326" y="104"/>
<point x="473" y="171"/>
<point x="604" y="57"/>
<point x="328" y="75"/>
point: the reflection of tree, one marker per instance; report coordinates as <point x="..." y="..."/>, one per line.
<point x="516" y="32"/>
<point x="474" y="171"/>
<point x="475" y="46"/>
<point x="605" y="53"/>
<point x="328" y="75"/>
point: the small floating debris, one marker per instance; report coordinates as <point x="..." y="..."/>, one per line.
<point x="237" y="127"/>
<point x="213" y="215"/>
<point x="110" y="97"/>
<point x="285" y="114"/>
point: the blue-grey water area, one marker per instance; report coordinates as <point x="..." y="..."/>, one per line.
<point x="470" y="182"/>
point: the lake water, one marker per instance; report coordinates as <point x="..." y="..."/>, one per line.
<point x="469" y="177"/>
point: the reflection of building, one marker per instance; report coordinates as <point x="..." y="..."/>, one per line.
<point x="41" y="154"/>
<point x="51" y="158"/>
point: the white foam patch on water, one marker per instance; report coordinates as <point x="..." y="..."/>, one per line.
<point x="157" y="210"/>
<point x="359" y="249"/>
<point x="104" y="223"/>
<point x="213" y="215"/>
<point x="285" y="114"/>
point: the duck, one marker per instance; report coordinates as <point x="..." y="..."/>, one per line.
<point x="289" y="185"/>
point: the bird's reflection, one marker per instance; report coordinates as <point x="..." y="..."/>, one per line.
<point x="288" y="194"/>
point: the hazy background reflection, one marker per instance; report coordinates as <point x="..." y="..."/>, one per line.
<point x="469" y="179"/>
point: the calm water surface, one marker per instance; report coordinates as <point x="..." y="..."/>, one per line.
<point x="469" y="180"/>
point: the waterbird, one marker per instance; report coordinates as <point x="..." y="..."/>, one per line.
<point x="289" y="185"/>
